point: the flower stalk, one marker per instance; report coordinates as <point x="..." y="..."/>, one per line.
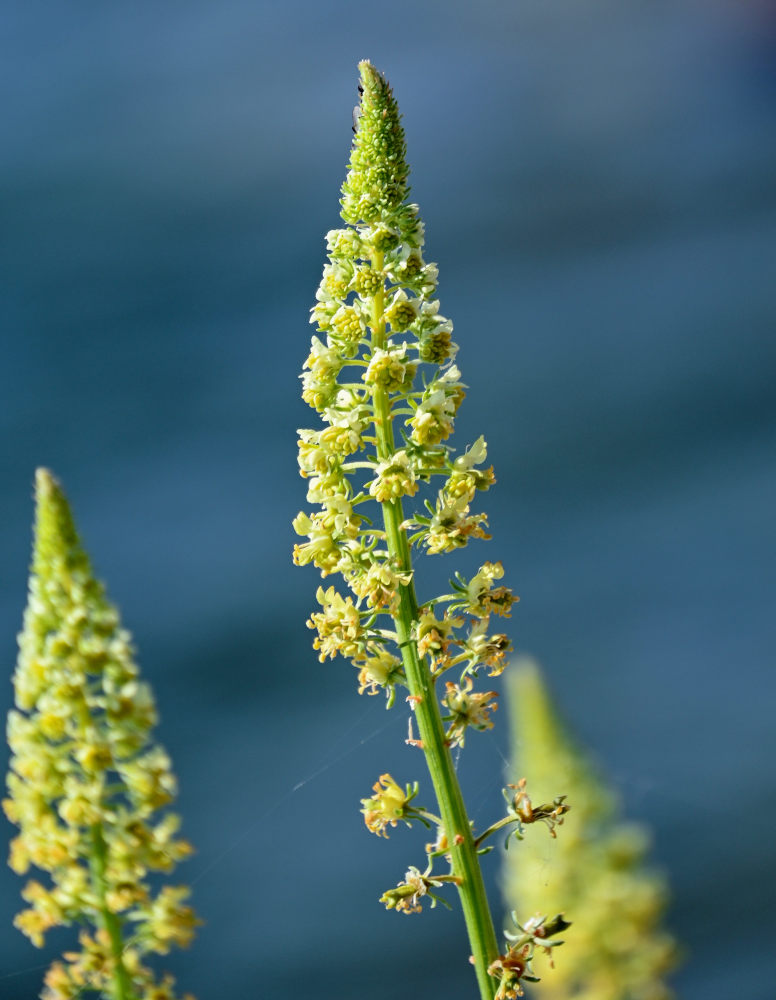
<point x="385" y="384"/>
<point x="464" y="861"/>
<point x="111" y="924"/>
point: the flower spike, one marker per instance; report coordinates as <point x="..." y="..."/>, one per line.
<point x="87" y="781"/>
<point x="381" y="375"/>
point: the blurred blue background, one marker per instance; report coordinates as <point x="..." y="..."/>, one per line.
<point x="598" y="185"/>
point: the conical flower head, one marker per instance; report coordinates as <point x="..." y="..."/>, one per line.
<point x="596" y="873"/>
<point x="69" y="625"/>
<point x="376" y="184"/>
<point x="380" y="373"/>
<point x="57" y="547"/>
<point x="86" y="780"/>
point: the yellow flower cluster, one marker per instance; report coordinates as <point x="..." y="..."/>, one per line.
<point x="92" y="969"/>
<point x="86" y="781"/>
<point x="380" y="335"/>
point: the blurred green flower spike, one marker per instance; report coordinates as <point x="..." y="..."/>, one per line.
<point x="381" y="375"/>
<point x="595" y="873"/>
<point x="86" y="782"/>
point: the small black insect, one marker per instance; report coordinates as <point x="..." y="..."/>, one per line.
<point x="357" y="109"/>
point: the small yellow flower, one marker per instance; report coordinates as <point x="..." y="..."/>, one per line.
<point x="467" y="708"/>
<point x="338" y="625"/>
<point x="379" y="585"/>
<point x="434" y="636"/>
<point x="388" y="805"/>
<point x="381" y="669"/>
<point x="394" y="478"/>
<point x="483" y="598"/>
<point x="489" y="650"/>
<point x="452" y="525"/>
<point x="402" y="311"/>
<point x="432" y="421"/>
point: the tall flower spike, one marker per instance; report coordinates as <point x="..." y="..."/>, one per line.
<point x="595" y="871"/>
<point x="381" y="375"/>
<point x="87" y="782"/>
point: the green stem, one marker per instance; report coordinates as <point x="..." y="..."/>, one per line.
<point x="495" y="828"/>
<point x="122" y="984"/>
<point x="463" y="853"/>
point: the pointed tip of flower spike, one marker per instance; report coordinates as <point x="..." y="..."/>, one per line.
<point x="376" y="184"/>
<point x="527" y="679"/>
<point x="44" y="481"/>
<point x="56" y="536"/>
<point x="48" y="491"/>
<point x="370" y="75"/>
<point x="528" y="689"/>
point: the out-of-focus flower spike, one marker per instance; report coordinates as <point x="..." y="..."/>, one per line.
<point x="86" y="780"/>
<point x="595" y="872"/>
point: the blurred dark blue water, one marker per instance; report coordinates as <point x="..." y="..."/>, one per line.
<point x="599" y="190"/>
